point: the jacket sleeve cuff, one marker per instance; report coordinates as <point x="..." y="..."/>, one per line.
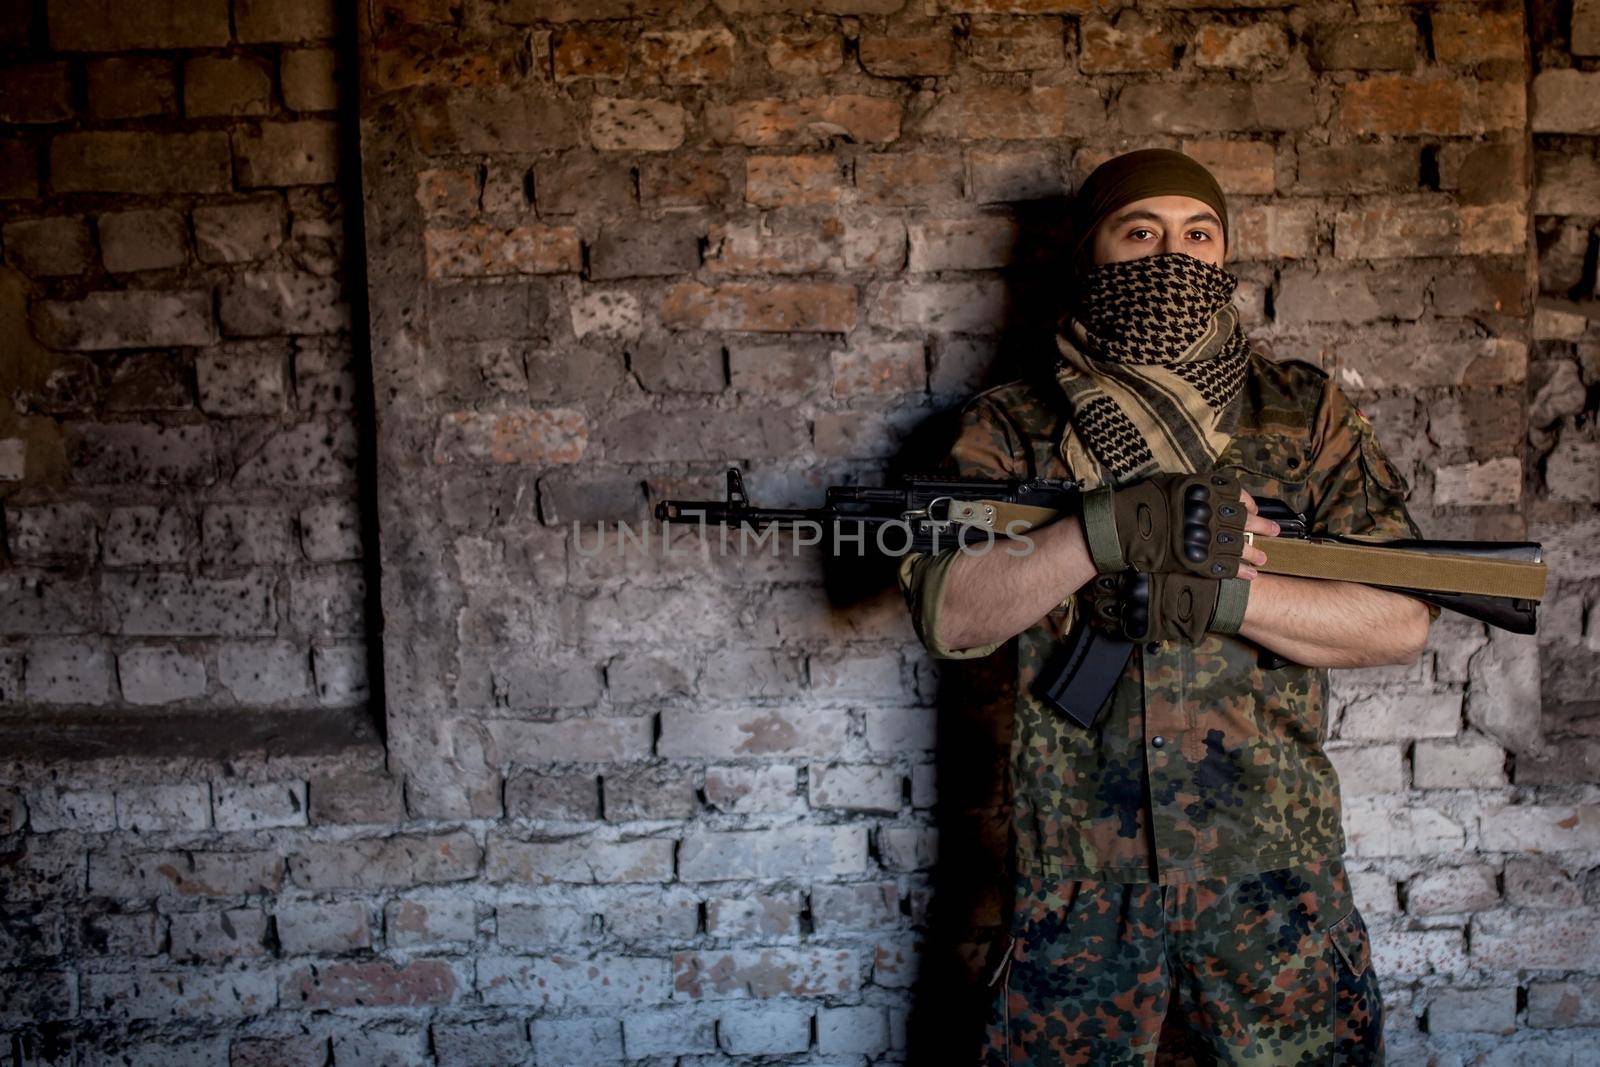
<point x="1100" y="531"/>
<point x="1231" y="601"/>
<point x="922" y="579"/>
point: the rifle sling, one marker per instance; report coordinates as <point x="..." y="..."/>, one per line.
<point x="1397" y="567"/>
<point x="998" y="515"/>
<point x="1366" y="564"/>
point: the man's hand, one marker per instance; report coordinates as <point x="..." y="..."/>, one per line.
<point x="1168" y="524"/>
<point x="1327" y="624"/>
<point x="1136" y="605"/>
<point x="1252" y="556"/>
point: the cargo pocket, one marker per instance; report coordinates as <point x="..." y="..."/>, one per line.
<point x="1380" y="468"/>
<point x="1358" y="1004"/>
<point x="1349" y="936"/>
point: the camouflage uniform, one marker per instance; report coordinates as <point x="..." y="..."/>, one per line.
<point x="1206" y="768"/>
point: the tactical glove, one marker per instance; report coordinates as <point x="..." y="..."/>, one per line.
<point x="1168" y="524"/>
<point x="1135" y="606"/>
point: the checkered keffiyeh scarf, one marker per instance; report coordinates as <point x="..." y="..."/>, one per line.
<point x="1152" y="358"/>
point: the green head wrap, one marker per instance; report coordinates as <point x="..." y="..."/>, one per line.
<point x="1134" y="176"/>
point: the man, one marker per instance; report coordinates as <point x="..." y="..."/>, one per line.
<point x="1178" y="865"/>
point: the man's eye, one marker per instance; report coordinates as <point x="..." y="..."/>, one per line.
<point x="1203" y="235"/>
<point x="1137" y="232"/>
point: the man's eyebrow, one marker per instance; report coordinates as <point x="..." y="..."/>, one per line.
<point x="1128" y="216"/>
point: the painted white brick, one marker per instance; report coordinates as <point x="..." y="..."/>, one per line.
<point x="259" y="805"/>
<point x="160" y="675"/>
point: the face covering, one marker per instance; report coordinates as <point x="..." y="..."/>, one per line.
<point x="1152" y="363"/>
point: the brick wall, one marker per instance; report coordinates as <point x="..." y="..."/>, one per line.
<point x="182" y="531"/>
<point x="662" y="807"/>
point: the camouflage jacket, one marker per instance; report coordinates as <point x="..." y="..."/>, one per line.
<point x="1205" y="764"/>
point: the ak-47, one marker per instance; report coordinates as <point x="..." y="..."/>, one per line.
<point x="1496" y="582"/>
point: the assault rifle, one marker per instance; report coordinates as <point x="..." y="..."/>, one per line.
<point x="1496" y="582"/>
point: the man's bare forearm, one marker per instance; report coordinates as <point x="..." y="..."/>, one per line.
<point x="1334" y="624"/>
<point x="995" y="596"/>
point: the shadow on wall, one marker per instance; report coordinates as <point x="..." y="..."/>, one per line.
<point x="970" y="908"/>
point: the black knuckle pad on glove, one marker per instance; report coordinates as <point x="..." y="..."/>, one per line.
<point x="1182" y="524"/>
<point x="1138" y="606"/>
<point x="1208" y="535"/>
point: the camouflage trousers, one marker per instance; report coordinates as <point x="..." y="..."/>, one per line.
<point x="1270" y="968"/>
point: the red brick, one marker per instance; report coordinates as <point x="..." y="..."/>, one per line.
<point x="802" y="307"/>
<point x="1428" y="228"/>
<point x="1285" y="105"/>
<point x="981" y="243"/>
<point x="448" y="191"/>
<point x="1364" y="168"/>
<point x="1200" y="108"/>
<point x="1389" y="44"/>
<point x="449" y="66"/>
<point x="773" y="121"/>
<point x="1394" y="103"/>
<point x="1566" y="185"/>
<point x="472" y="123"/>
<point x="1016" y="114"/>
<point x="1463" y="37"/>
<point x="910" y="178"/>
<point x="977" y="306"/>
<point x="141" y="163"/>
<point x="780" y="181"/>
<point x="688" y="57"/>
<point x="1285" y="229"/>
<point x="803" y="55"/>
<point x="1493" y="229"/>
<point x="746" y="248"/>
<point x="130" y="87"/>
<point x="901" y="56"/>
<point x="480" y="251"/>
<point x="583" y="54"/>
<point x="373" y="984"/>
<point x="35" y="92"/>
<point x="1566" y="101"/>
<point x="888" y="368"/>
<point x="1015" y="174"/>
<point x="51" y="247"/>
<point x="1485" y="173"/>
<point x="226" y="85"/>
<point x="310" y="79"/>
<point x="109" y="26"/>
<point x="1016" y="44"/>
<point x="392" y="13"/>
<point x="636" y="125"/>
<point x="541" y="436"/>
<point x="586" y="182"/>
<point x="1239" y="166"/>
<point x="1023" y="7"/>
<point x="304" y="152"/>
<point x="1585" y="28"/>
<point x="1133" y="43"/>
<point x="1256" y="46"/>
<point x="685" y="181"/>
<point x="261" y="21"/>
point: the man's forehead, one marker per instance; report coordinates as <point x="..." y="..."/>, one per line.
<point x="1183" y="209"/>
